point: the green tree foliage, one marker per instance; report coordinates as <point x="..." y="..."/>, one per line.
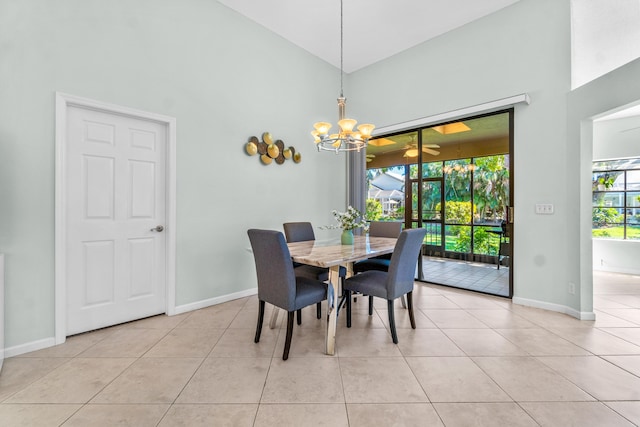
<point x="374" y="210"/>
<point x="605" y="216"/>
<point x="430" y="200"/>
<point x="491" y="187"/>
<point x="604" y="180"/>
<point x="398" y="215"/>
<point x="457" y="180"/>
<point x="432" y="170"/>
<point x="490" y="180"/>
<point x="483" y="242"/>
<point x="457" y="212"/>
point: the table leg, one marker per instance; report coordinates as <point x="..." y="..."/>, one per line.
<point x="332" y="310"/>
<point x="274" y="318"/>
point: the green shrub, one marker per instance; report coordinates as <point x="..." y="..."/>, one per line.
<point x="604" y="216"/>
<point x="374" y="210"/>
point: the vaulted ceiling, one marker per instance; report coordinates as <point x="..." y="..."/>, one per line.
<point x="373" y="29"/>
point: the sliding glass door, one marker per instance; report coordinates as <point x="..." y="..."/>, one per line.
<point x="454" y="180"/>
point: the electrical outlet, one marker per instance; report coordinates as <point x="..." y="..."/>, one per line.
<point x="544" y="208"/>
<point x="572" y="288"/>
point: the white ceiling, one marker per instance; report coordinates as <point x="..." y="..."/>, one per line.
<point x="373" y="29"/>
<point x="628" y="112"/>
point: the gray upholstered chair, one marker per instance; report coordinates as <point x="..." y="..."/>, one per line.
<point x="390" y="229"/>
<point x="394" y="283"/>
<point x="301" y="232"/>
<point x="277" y="282"/>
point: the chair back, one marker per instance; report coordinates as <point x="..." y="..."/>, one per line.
<point x="505" y="228"/>
<point x="298" y="231"/>
<point x="385" y="229"/>
<point x="276" y="279"/>
<point x="403" y="262"/>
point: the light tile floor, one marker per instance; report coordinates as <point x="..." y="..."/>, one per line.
<point x="475" y="276"/>
<point x="473" y="360"/>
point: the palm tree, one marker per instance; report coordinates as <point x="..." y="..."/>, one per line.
<point x="491" y="186"/>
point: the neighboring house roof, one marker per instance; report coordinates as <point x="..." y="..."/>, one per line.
<point x="376" y="193"/>
<point x="388" y="181"/>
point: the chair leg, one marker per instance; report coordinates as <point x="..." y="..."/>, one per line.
<point x="260" y="319"/>
<point x="404" y="303"/>
<point x="392" y="321"/>
<point x="348" y="297"/>
<point x="299" y="317"/>
<point x="370" y="305"/>
<point x="319" y="311"/>
<point x="342" y="300"/>
<point x="341" y="303"/>
<point x="287" y="341"/>
<point x="410" y="308"/>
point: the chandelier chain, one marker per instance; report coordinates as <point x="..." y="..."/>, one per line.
<point x="347" y="138"/>
<point x="341" y="47"/>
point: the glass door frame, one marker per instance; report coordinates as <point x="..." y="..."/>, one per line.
<point x="412" y="185"/>
<point x="409" y="222"/>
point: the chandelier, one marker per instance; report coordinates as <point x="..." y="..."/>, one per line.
<point x="347" y="139"/>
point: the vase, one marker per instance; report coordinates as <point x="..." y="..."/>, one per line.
<point x="347" y="237"/>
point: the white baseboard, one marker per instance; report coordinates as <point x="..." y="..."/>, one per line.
<point x="50" y="342"/>
<point x="582" y="315"/>
<point x="185" y="308"/>
<point x="621" y="270"/>
<point x="29" y="347"/>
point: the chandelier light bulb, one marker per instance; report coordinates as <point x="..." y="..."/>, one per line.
<point x="347" y="125"/>
<point x="366" y="129"/>
<point x="322" y="127"/>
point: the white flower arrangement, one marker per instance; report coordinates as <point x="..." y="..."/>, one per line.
<point x="349" y="220"/>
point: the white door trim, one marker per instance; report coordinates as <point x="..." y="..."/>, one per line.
<point x="63" y="102"/>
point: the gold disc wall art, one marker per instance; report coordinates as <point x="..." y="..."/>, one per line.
<point x="269" y="150"/>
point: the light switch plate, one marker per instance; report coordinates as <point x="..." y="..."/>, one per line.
<point x="544" y="208"/>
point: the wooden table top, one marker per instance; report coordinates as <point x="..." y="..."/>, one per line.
<point x="330" y="253"/>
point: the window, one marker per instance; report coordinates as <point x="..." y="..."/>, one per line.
<point x="616" y="199"/>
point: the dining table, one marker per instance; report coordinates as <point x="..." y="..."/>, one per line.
<point x="332" y="254"/>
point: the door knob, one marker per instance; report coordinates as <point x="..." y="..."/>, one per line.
<point x="157" y="228"/>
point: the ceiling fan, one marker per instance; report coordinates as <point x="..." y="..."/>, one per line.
<point x="412" y="149"/>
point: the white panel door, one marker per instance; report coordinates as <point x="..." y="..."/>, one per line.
<point x="115" y="214"/>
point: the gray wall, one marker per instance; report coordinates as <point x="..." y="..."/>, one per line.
<point x="524" y="48"/>
<point x="222" y="77"/>
<point x="607" y="94"/>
